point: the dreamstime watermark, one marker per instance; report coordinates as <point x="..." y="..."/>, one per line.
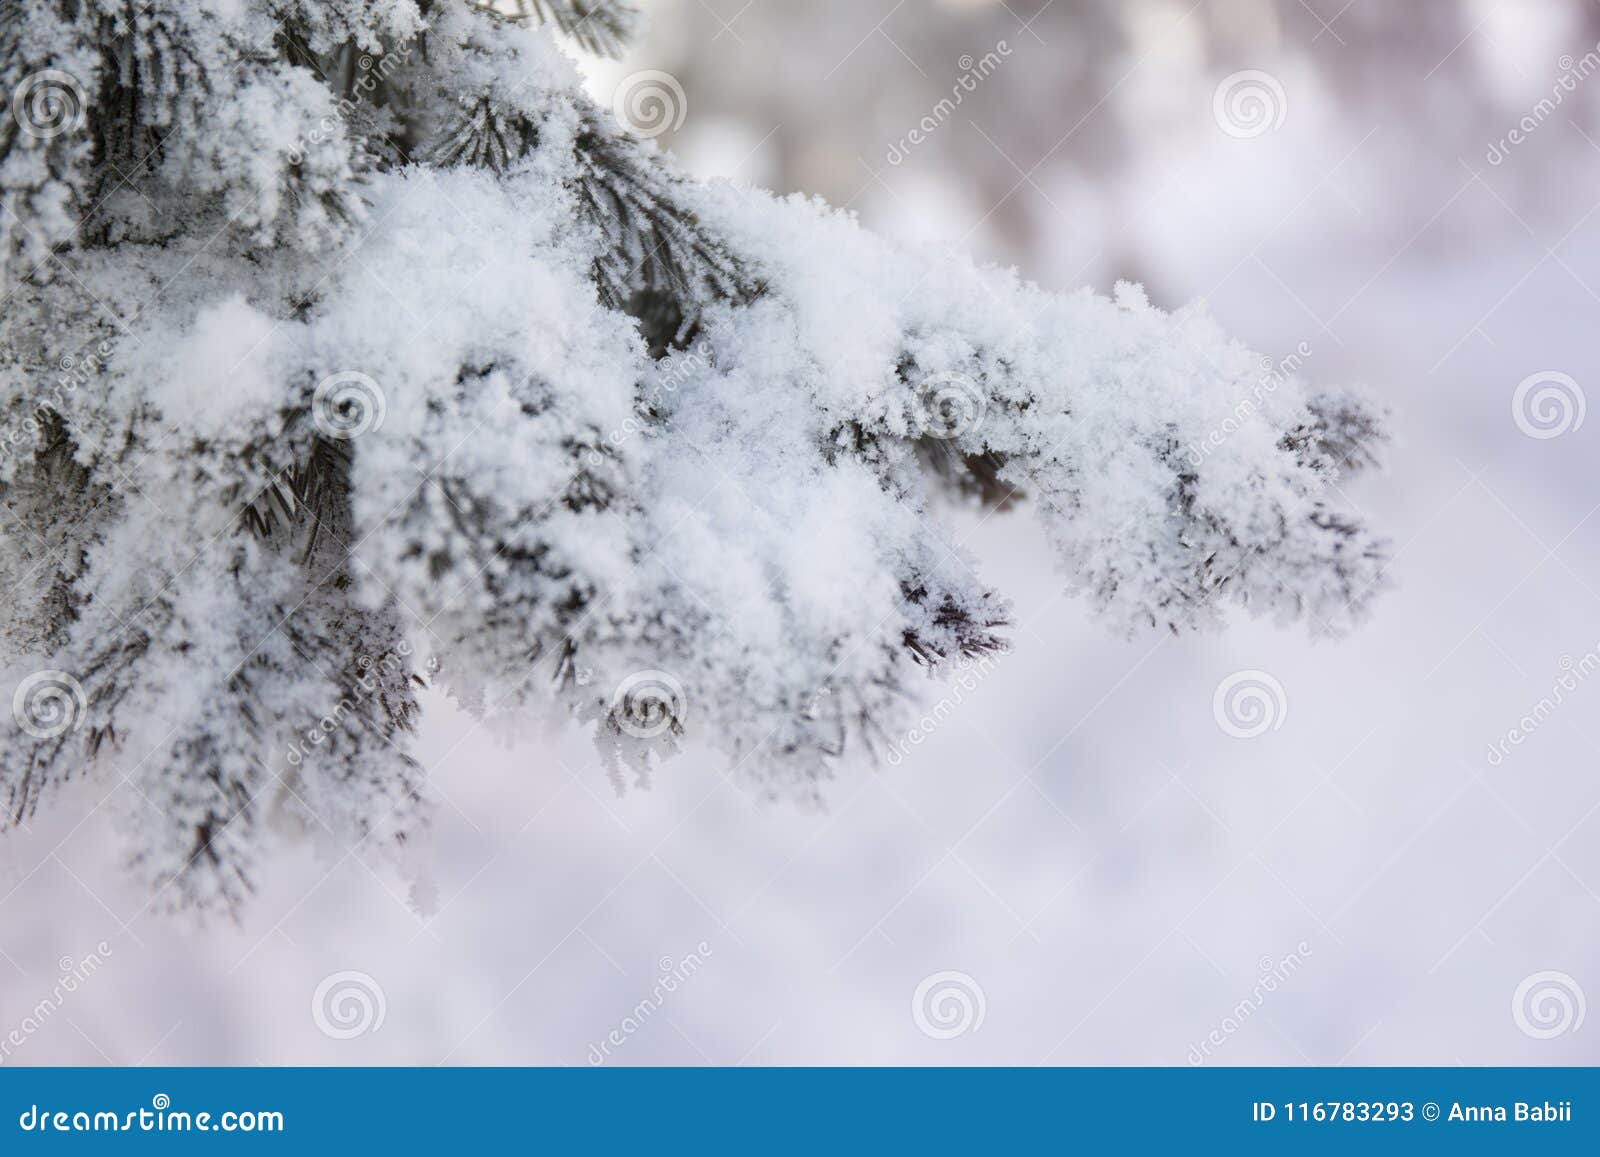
<point x="670" y="975"/>
<point x="671" y="373"/>
<point x="48" y="104"/>
<point x="369" y="73"/>
<point x="1274" y="974"/>
<point x="948" y="405"/>
<point x="1574" y="672"/>
<point x="1249" y="703"/>
<point x="970" y="673"/>
<point x="1573" y="73"/>
<point x="74" y="371"/>
<point x="348" y="1004"/>
<point x="973" y="72"/>
<point x="1273" y="374"/>
<point x="366" y="685"/>
<point x="1548" y="1004"/>
<point x="650" y="103"/>
<point x="72" y="975"/>
<point x="49" y="703"/>
<point x="948" y="1004"/>
<point x="1249" y="104"/>
<point x="1548" y="404"/>
<point x="160" y="1117"/>
<point x="649" y="703"/>
<point x="347" y="405"/>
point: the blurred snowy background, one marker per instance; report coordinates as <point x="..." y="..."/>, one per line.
<point x="1079" y="865"/>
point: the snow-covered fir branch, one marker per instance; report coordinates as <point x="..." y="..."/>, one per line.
<point x="343" y="334"/>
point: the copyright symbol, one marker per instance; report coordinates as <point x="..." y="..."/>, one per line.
<point x="1430" y="1112"/>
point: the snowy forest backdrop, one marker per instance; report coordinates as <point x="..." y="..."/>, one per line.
<point x="1079" y="864"/>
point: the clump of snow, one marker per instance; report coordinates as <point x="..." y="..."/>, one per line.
<point x="219" y="379"/>
<point x="742" y="542"/>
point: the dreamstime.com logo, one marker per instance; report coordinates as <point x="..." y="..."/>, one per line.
<point x="672" y="974"/>
<point x="650" y="103"/>
<point x="1274" y="974"/>
<point x="49" y="703"/>
<point x="1249" y="703"/>
<point x="73" y="975"/>
<point x="74" y="371"/>
<point x="1548" y="404"/>
<point x="948" y="1004"/>
<point x="370" y="74"/>
<point x="973" y="72"/>
<point x="948" y="405"/>
<point x="1249" y="104"/>
<point x="649" y="703"/>
<point x="48" y="104"/>
<point x="347" y="405"/>
<point x="1574" y="672"/>
<point x="675" y="370"/>
<point x="1273" y="374"/>
<point x="365" y="685"/>
<point x="1573" y="73"/>
<point x="971" y="672"/>
<point x="160" y="1117"/>
<point x="348" y="1004"/>
<point x="1548" y="1004"/>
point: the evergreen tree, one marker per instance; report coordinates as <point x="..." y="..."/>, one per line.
<point x="339" y="333"/>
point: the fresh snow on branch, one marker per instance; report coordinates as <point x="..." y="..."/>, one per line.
<point x="348" y="349"/>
